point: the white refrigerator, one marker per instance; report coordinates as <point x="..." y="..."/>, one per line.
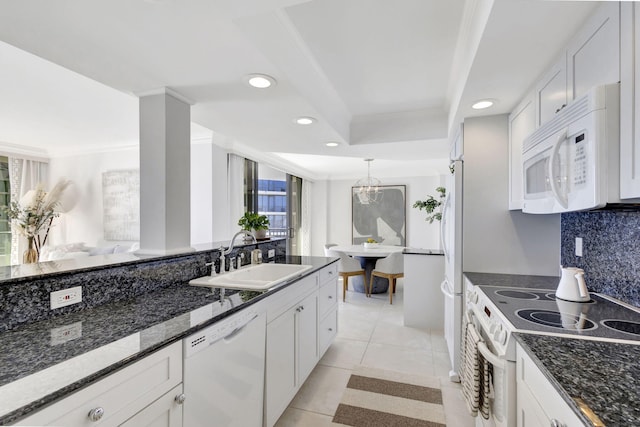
<point x="452" y="285"/>
<point x="479" y="232"/>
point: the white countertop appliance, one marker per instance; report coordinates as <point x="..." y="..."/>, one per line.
<point x="497" y="312"/>
<point x="572" y="162"/>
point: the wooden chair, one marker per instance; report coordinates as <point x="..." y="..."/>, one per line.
<point x="348" y="267"/>
<point x="391" y="267"/>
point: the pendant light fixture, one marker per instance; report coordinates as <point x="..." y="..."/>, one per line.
<point x="368" y="189"/>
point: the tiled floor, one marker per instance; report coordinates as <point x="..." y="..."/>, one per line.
<point x="371" y="332"/>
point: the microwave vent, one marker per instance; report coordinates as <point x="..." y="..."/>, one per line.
<point x="591" y="101"/>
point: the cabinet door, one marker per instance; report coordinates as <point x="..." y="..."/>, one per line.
<point x="593" y="57"/>
<point x="280" y="365"/>
<point x="551" y="91"/>
<point x="522" y="121"/>
<point x="164" y="412"/>
<point x="307" y="336"/>
<point x="530" y="413"/>
<point x="630" y="101"/>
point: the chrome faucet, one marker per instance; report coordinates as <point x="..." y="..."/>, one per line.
<point x="224" y="253"/>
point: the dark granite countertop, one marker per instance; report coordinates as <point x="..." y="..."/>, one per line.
<point x="420" y="251"/>
<point x="39" y="362"/>
<point x="603" y="374"/>
<point x="513" y="280"/>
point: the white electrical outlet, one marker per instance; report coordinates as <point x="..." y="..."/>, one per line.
<point x="271" y="253"/>
<point x="578" y="246"/>
<point x="66" y="297"/>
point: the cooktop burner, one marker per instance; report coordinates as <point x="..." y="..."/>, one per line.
<point x="556" y="319"/>
<point x="538" y="310"/>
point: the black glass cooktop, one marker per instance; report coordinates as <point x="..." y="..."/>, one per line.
<point x="539" y="310"/>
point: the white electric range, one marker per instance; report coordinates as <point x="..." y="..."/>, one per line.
<point x="499" y="311"/>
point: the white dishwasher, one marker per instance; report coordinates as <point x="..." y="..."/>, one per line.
<point x="224" y="372"/>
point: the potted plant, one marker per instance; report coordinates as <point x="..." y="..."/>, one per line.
<point x="255" y="223"/>
<point x="432" y="205"/>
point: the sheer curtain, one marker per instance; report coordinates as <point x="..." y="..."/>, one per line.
<point x="235" y="190"/>
<point x="305" y="229"/>
<point x="24" y="175"/>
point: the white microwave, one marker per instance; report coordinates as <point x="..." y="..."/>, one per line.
<point x="572" y="162"/>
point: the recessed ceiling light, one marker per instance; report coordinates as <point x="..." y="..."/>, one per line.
<point x="482" y="104"/>
<point x="260" y="81"/>
<point x="332" y="144"/>
<point x="305" y="120"/>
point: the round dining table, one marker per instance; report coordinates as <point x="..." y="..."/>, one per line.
<point x="368" y="257"/>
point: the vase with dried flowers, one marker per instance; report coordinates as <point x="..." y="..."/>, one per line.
<point x="33" y="215"/>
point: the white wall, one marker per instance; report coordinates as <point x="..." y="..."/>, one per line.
<point x="333" y="224"/>
<point x="496" y="240"/>
<point x="83" y="223"/>
<point x="202" y="186"/>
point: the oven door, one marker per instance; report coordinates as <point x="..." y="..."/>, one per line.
<point x="502" y="400"/>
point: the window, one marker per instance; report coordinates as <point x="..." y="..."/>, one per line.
<point x="5" y="225"/>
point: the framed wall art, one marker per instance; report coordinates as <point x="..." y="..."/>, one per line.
<point x="383" y="220"/>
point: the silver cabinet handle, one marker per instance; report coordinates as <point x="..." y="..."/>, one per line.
<point x="96" y="414"/>
<point x="180" y="398"/>
<point x="330" y="296"/>
<point x="330" y="329"/>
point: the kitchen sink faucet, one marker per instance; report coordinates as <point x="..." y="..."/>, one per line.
<point x="224" y="253"/>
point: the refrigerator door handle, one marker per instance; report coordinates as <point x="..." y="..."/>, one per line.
<point x="444" y="287"/>
<point x="443" y="225"/>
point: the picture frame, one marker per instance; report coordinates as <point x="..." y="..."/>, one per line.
<point x="384" y="221"/>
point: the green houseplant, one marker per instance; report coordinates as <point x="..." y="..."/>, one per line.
<point x="432" y="205"/>
<point x="255" y="223"/>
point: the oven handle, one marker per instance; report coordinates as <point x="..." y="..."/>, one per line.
<point x="562" y="199"/>
<point x="490" y="357"/>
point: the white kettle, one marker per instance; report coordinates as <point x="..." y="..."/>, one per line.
<point x="572" y="286"/>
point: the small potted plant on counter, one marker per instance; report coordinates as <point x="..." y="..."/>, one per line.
<point x="255" y="223"/>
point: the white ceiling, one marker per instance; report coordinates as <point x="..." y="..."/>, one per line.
<point x="385" y="79"/>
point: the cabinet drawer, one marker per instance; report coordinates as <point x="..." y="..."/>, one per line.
<point x="330" y="272"/>
<point x="121" y="395"/>
<point x="327" y="331"/>
<point x="328" y="297"/>
<point x="287" y="297"/>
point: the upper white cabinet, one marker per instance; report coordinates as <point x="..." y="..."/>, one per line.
<point x="551" y="91"/>
<point x="593" y="56"/>
<point x="522" y="121"/>
<point x="630" y="101"/>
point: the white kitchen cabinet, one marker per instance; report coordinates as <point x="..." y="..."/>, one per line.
<point x="630" y="101"/>
<point x="593" y="55"/>
<point x="522" y="122"/>
<point x="292" y="352"/>
<point x="147" y="388"/>
<point x="327" y="308"/>
<point x="551" y="91"/>
<point x="538" y="402"/>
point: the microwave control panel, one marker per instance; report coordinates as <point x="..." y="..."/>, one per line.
<point x="579" y="159"/>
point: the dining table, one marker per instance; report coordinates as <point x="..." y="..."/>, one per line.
<point x="368" y="257"/>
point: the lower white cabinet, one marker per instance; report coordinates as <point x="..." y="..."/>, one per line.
<point x="302" y="321"/>
<point x="538" y="403"/>
<point x="292" y="353"/>
<point x="145" y="393"/>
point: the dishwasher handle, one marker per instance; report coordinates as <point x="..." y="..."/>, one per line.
<point x="236" y="331"/>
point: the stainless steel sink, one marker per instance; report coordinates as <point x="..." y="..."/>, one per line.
<point x="255" y="277"/>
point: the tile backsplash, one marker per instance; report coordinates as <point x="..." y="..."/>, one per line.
<point x="611" y="251"/>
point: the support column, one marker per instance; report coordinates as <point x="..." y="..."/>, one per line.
<point x="165" y="146"/>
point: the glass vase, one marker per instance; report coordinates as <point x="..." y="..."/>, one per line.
<point x="31" y="254"/>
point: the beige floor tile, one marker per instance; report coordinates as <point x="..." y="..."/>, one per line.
<point x="322" y="391"/>
<point x="393" y="334"/>
<point x="455" y="410"/>
<point x="293" y="417"/>
<point x="396" y="358"/>
<point x="344" y="353"/>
